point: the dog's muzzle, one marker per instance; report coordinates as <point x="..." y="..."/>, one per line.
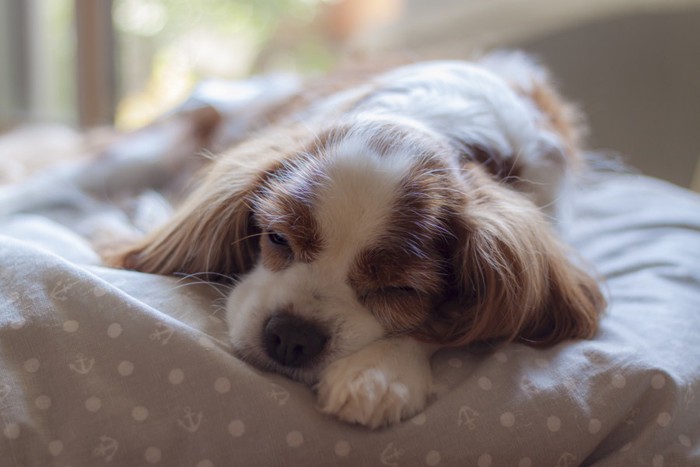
<point x="292" y="341"/>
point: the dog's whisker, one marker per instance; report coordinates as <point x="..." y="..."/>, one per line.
<point x="196" y="279"/>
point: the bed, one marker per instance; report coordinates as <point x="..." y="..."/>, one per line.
<point x="111" y="367"/>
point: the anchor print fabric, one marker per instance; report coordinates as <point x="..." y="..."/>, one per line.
<point x="100" y="367"/>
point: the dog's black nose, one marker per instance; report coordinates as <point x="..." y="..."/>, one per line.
<point x="292" y="341"/>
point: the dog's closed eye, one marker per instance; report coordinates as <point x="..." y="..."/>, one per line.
<point x="399" y="308"/>
<point x="275" y="249"/>
<point x="277" y="238"/>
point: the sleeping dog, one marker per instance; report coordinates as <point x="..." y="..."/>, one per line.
<point x="373" y="218"/>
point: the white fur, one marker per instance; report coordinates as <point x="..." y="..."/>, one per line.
<point x="473" y="104"/>
<point x="384" y="382"/>
<point x="461" y="101"/>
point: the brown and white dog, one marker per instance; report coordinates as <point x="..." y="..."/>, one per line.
<point x="369" y="224"/>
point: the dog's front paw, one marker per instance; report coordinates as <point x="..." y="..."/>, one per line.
<point x="380" y="385"/>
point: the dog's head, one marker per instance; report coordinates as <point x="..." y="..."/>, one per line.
<point x="406" y="213"/>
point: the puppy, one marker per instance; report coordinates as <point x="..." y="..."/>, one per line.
<point x="370" y="223"/>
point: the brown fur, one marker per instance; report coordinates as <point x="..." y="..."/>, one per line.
<point x="213" y="232"/>
<point x="285" y="206"/>
<point x="513" y="278"/>
<point x="399" y="287"/>
<point x="561" y="117"/>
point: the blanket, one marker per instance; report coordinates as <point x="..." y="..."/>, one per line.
<point x="111" y="367"/>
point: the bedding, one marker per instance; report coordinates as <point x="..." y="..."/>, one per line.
<point x="111" y="367"/>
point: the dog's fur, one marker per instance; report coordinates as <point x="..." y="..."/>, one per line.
<point x="369" y="224"/>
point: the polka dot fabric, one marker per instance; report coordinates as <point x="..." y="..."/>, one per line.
<point x="105" y="367"/>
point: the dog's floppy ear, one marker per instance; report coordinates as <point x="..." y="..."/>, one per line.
<point x="212" y="232"/>
<point x="512" y="277"/>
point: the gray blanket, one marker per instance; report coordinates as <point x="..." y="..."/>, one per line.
<point x="107" y="367"/>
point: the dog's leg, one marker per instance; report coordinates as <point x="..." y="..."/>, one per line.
<point x="381" y="384"/>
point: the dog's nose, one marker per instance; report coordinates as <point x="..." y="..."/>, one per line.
<point x="292" y="341"/>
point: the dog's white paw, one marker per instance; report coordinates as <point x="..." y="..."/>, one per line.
<point x="381" y="384"/>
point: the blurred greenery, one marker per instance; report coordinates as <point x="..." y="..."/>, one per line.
<point x="165" y="46"/>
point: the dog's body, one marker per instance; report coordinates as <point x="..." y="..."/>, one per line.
<point x="368" y="227"/>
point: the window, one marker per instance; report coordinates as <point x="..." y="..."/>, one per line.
<point x="37" y="61"/>
<point x="92" y="62"/>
